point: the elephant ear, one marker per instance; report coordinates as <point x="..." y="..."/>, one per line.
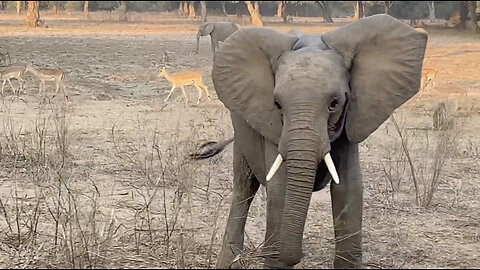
<point x="243" y="76"/>
<point x="385" y="59"/>
<point x="209" y="28"/>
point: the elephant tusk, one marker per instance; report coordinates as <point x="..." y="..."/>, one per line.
<point x="276" y="164"/>
<point x="331" y="168"/>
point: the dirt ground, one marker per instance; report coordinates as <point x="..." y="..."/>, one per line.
<point x="104" y="179"/>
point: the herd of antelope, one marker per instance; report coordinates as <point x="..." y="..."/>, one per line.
<point x="43" y="74"/>
<point x="179" y="79"/>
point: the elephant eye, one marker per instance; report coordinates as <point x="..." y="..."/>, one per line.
<point x="333" y="105"/>
<point x="278" y="105"/>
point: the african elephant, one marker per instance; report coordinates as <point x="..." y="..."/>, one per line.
<point x="303" y="103"/>
<point x="218" y="31"/>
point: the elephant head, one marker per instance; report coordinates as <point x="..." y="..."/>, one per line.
<point x="204" y="30"/>
<point x="302" y="92"/>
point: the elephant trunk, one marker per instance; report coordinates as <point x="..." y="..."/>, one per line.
<point x="198" y="40"/>
<point x="305" y="148"/>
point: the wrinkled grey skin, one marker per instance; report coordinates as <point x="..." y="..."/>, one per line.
<point x="218" y="31"/>
<point x="304" y="96"/>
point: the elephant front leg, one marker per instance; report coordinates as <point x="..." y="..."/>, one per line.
<point x="347" y="200"/>
<point x="245" y="185"/>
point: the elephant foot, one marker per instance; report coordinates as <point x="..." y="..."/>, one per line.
<point x="271" y="263"/>
<point x="228" y="259"/>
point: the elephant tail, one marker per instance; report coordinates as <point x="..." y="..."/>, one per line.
<point x="210" y="149"/>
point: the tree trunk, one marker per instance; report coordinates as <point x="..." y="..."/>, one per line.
<point x="180" y="8"/>
<point x="203" y="4"/>
<point x="224" y="11"/>
<point x="85" y="9"/>
<point x="281" y="10"/>
<point x="358" y="10"/>
<point x="185" y="7"/>
<point x="19" y="7"/>
<point x="55" y="7"/>
<point x="122" y="11"/>
<point x="387" y="6"/>
<point x="238" y="9"/>
<point x="327" y="17"/>
<point x="33" y="13"/>
<point x="256" y="4"/>
<point x="3" y="5"/>
<point x="431" y="9"/>
<point x="191" y="10"/>
<point x="254" y="16"/>
<point x="472" y="7"/>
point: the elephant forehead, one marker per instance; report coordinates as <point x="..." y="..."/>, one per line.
<point x="310" y="67"/>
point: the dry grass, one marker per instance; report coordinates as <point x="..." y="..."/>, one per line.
<point x="104" y="179"/>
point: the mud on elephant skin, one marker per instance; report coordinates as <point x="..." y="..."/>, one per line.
<point x="218" y="31"/>
<point x="300" y="101"/>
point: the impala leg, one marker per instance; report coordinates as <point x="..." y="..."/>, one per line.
<point x="11" y="85"/>
<point x="169" y="94"/>
<point x="22" y="85"/>
<point x="40" y="87"/>
<point x="184" y="94"/>
<point x="3" y="85"/>
<point x="63" y="88"/>
<point x="199" y="93"/>
<point x="206" y="91"/>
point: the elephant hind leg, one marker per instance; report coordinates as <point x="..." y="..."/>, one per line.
<point x="245" y="185"/>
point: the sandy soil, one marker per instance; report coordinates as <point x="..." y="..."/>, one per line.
<point x="124" y="194"/>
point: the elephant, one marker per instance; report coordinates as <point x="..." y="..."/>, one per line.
<point x="303" y="103"/>
<point x="218" y="31"/>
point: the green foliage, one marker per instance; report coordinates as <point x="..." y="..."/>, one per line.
<point x="165" y="5"/>
<point x="419" y="9"/>
<point x="443" y="9"/>
<point x="106" y="5"/>
<point x="143" y="6"/>
<point x="74" y="5"/>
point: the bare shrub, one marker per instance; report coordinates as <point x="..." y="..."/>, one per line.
<point x="49" y="221"/>
<point x="418" y="155"/>
<point x="443" y="117"/>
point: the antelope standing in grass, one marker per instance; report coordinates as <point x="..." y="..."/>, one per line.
<point x="13" y="72"/>
<point x="183" y="78"/>
<point x="428" y="74"/>
<point x="48" y="74"/>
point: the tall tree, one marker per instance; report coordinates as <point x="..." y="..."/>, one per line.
<point x="387" y="5"/>
<point x="122" y="11"/>
<point x="56" y="5"/>
<point x="431" y="9"/>
<point x="33" y="13"/>
<point x="85" y="9"/>
<point x="203" y="6"/>
<point x="191" y="10"/>
<point x="224" y="11"/>
<point x="19" y="7"/>
<point x="281" y="6"/>
<point x="327" y="16"/>
<point x="254" y="16"/>
<point x="256" y="4"/>
<point x="238" y="9"/>
<point x="472" y="13"/>
<point x="358" y="10"/>
<point x="185" y="7"/>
